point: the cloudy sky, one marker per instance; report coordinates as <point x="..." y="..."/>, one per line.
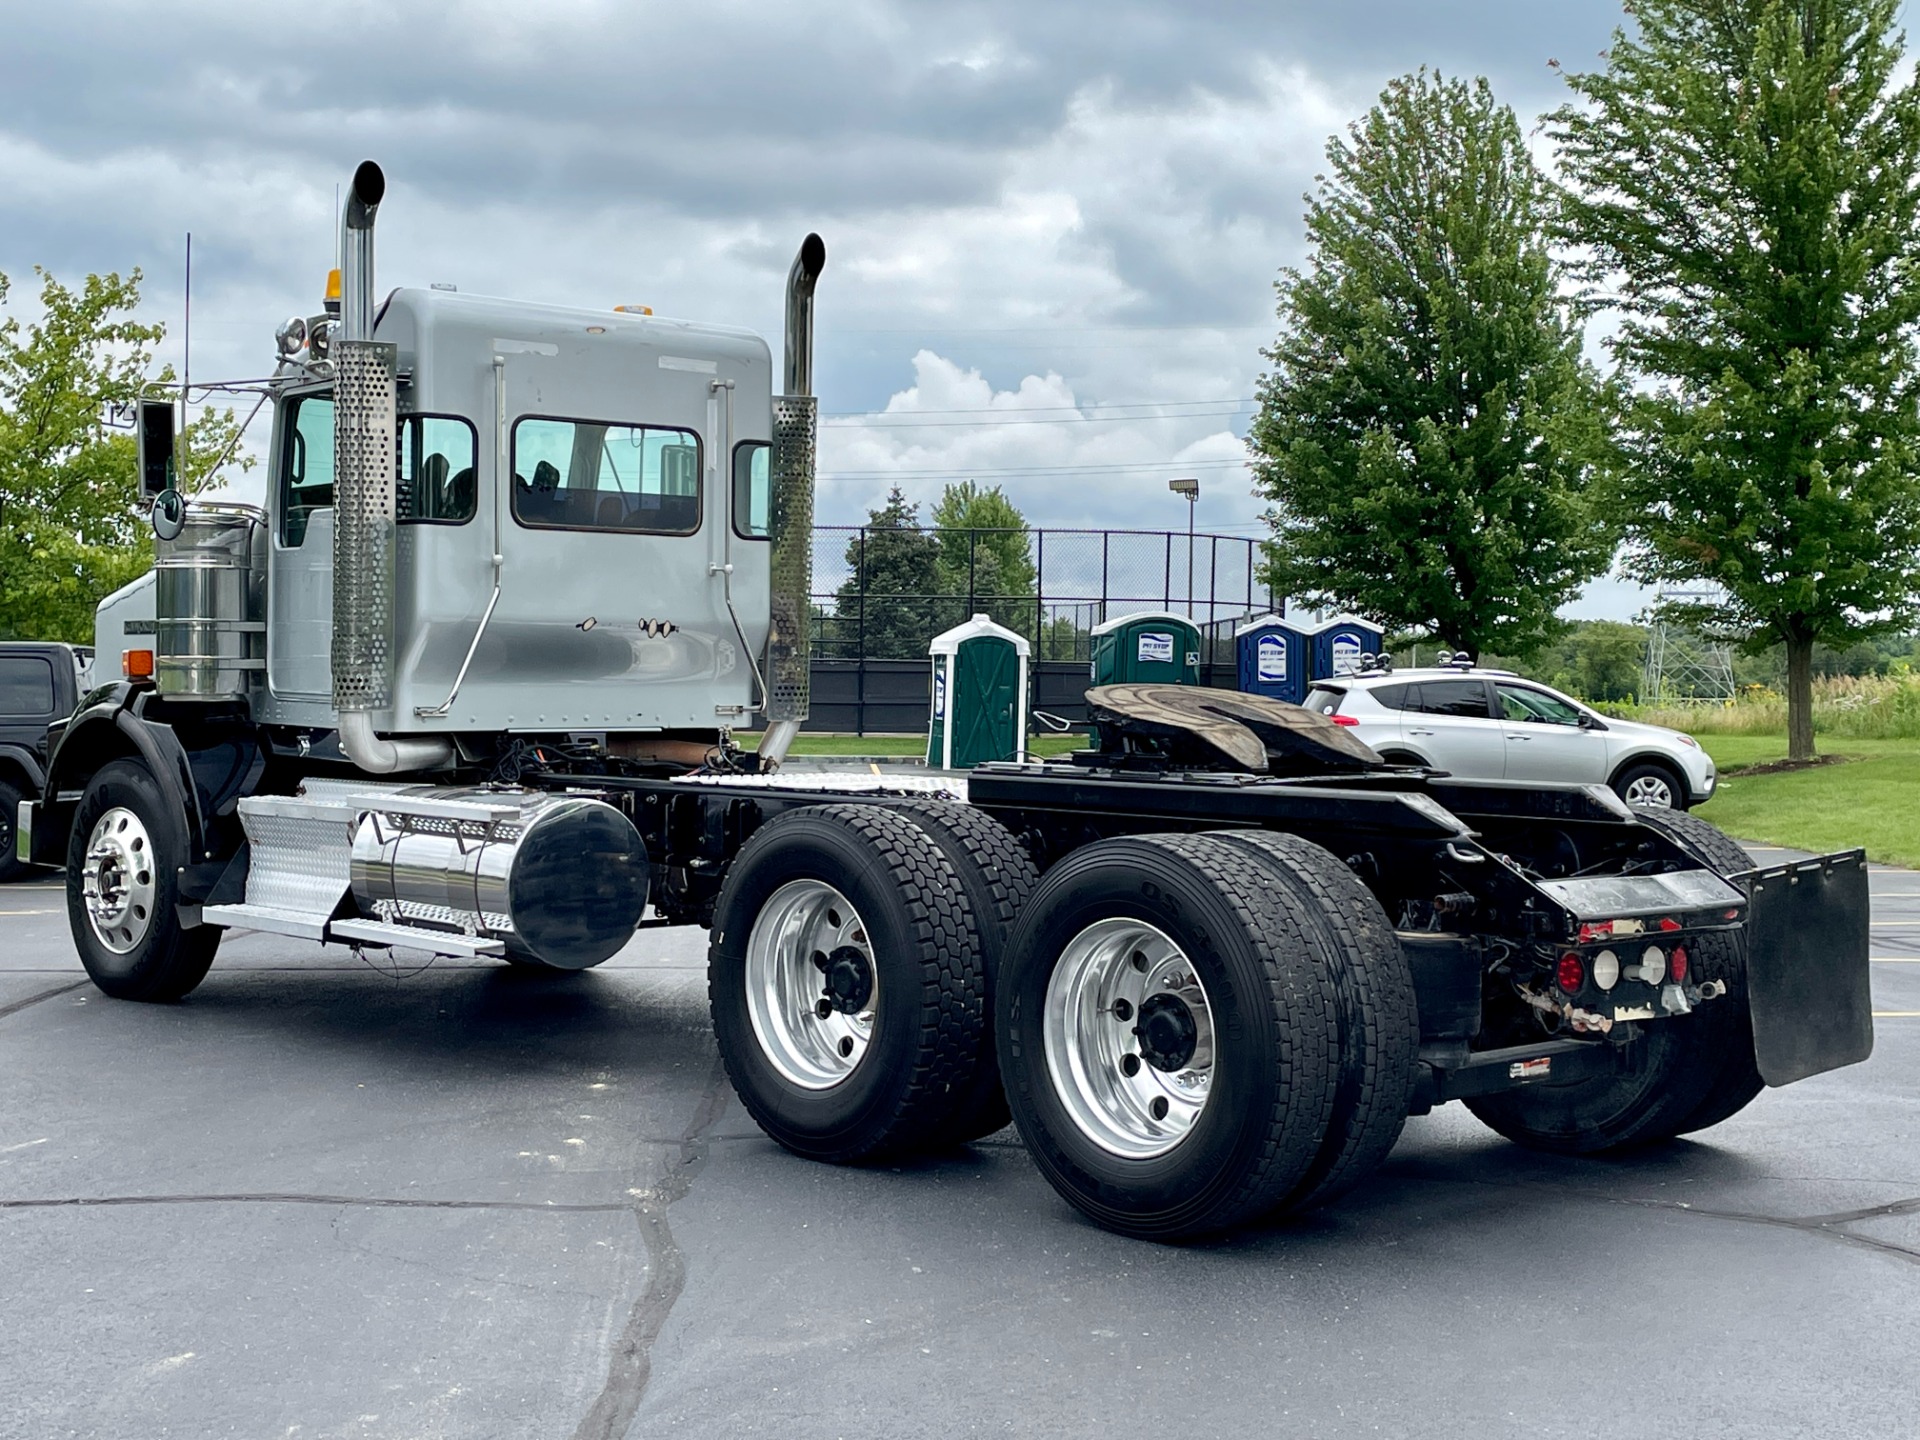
<point x="1052" y="228"/>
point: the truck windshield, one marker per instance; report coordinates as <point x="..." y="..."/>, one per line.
<point x="583" y="475"/>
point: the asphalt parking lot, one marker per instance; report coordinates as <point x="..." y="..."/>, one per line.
<point x="318" y="1199"/>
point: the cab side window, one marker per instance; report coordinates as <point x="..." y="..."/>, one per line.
<point x="752" y="497"/>
<point x="436" y="479"/>
<point x="306" y="466"/>
<point x="586" y="475"/>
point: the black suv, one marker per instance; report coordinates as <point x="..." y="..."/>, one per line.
<point x="40" y="683"/>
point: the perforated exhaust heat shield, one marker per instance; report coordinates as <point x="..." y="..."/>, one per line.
<point x="788" y="677"/>
<point x="364" y="524"/>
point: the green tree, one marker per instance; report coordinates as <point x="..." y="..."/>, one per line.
<point x="69" y="533"/>
<point x="985" y="556"/>
<point x="1429" y="434"/>
<point x="886" y="608"/>
<point x="1746" y="175"/>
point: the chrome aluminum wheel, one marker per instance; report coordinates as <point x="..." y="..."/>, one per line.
<point x="1128" y="1036"/>
<point x="1651" y="792"/>
<point x="117" y="884"/>
<point x="812" y="991"/>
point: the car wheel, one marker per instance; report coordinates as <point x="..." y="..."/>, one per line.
<point x="1651" y="787"/>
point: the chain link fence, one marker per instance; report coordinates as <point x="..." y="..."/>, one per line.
<point x="883" y="592"/>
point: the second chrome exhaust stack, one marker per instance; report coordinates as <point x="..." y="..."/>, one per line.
<point x="795" y="438"/>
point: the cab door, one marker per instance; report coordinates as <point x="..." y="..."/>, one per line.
<point x="1545" y="740"/>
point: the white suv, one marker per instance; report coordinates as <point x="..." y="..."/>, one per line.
<point x="1492" y="725"/>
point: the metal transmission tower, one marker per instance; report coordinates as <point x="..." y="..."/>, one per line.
<point x="1683" y="664"/>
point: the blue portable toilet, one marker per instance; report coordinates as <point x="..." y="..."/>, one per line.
<point x="1339" y="643"/>
<point x="1272" y="659"/>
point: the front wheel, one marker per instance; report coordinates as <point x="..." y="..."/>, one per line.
<point x="123" y="859"/>
<point x="1650" y="787"/>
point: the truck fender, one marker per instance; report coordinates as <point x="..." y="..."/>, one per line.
<point x="12" y="756"/>
<point x="105" y="731"/>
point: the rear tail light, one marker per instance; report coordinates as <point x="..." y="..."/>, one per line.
<point x="136" y="664"/>
<point x="1343" y="719"/>
<point x="1570" y="973"/>
<point x="1606" y="969"/>
<point x="1677" y="964"/>
<point x="1653" y="965"/>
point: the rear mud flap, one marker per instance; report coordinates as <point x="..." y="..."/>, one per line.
<point x="1807" y="967"/>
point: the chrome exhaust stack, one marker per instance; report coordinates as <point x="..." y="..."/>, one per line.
<point x="795" y="439"/>
<point x="365" y="516"/>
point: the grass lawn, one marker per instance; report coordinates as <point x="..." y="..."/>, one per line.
<point x="1872" y="800"/>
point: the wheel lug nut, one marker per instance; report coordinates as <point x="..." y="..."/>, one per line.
<point x="1129" y="1065"/>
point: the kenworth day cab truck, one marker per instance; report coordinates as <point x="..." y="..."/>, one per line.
<point x="468" y="682"/>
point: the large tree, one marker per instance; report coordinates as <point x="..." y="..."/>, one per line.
<point x="69" y="533"/>
<point x="886" y="608"/>
<point x="1745" y="174"/>
<point x="1429" y="433"/>
<point x="986" y="556"/>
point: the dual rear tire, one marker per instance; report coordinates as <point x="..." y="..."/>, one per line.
<point x="1193" y="1030"/>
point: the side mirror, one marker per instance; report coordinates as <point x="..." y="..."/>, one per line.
<point x="169" y="515"/>
<point x="154" y="438"/>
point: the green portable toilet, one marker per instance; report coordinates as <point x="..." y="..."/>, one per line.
<point x="979" y="696"/>
<point x="1151" y="647"/>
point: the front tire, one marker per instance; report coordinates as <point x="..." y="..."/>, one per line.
<point x="123" y="859"/>
<point x="1649" y="786"/>
<point x="845" y="982"/>
<point x="1167" y="1037"/>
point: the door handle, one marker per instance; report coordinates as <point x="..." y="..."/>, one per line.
<point x="1519" y="737"/>
<point x="1419" y="732"/>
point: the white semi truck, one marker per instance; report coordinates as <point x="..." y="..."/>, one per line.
<point x="468" y="681"/>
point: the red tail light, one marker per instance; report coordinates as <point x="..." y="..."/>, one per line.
<point x="1677" y="964"/>
<point x="1570" y="973"/>
<point x="1343" y="719"/>
<point x="1669" y="924"/>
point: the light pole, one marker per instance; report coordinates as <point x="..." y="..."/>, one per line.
<point x="1190" y="488"/>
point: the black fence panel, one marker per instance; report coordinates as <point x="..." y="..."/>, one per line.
<point x="882" y="593"/>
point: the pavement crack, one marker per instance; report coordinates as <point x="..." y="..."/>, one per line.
<point x="630" y="1366"/>
<point x="18" y="1005"/>
<point x="376" y="1202"/>
<point x="1832" y="1227"/>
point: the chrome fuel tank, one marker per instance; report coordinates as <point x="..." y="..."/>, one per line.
<point x="210" y="603"/>
<point x="562" y="879"/>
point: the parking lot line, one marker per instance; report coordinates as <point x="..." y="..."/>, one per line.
<point x="1896" y="1014"/>
<point x="26" y="912"/>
